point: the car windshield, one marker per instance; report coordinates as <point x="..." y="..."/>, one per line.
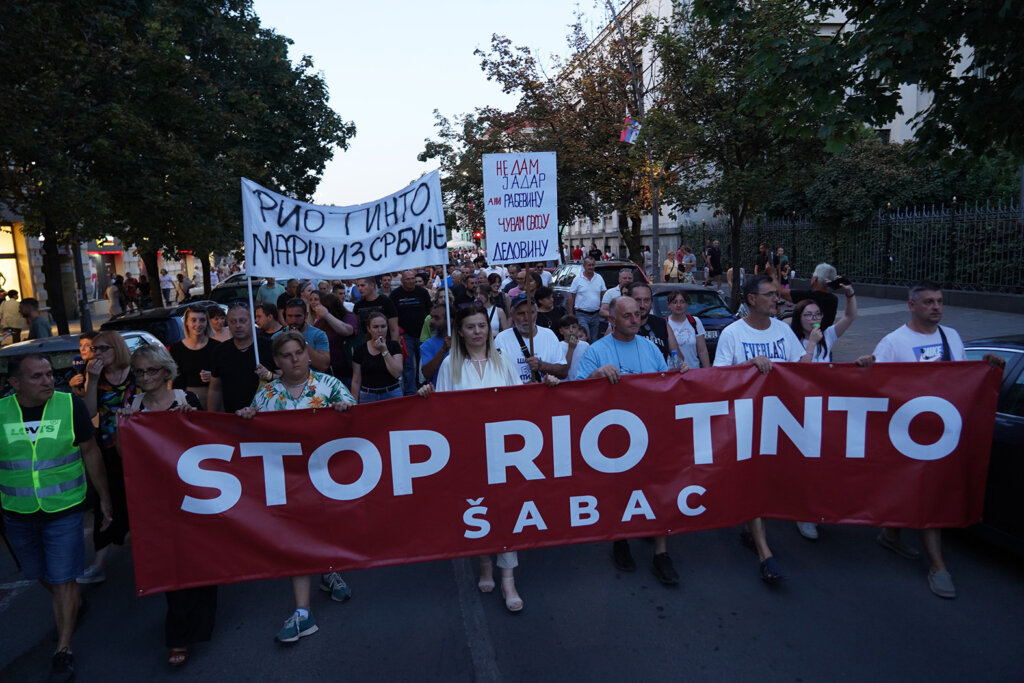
<point x="611" y="275"/>
<point x="702" y="305"/>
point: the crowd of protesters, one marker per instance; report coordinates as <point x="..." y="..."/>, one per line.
<point x="339" y="343"/>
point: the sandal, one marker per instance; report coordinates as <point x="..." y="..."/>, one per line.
<point x="512" y="604"/>
<point x="178" y="657"/>
<point x="486" y="582"/>
<point x="771" y="572"/>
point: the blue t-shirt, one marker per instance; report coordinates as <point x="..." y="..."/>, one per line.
<point x="631" y="358"/>
<point x="315" y="337"/>
<point x="428" y="350"/>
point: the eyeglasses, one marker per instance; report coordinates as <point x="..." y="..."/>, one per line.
<point x="146" y="372"/>
<point x="812" y="316"/>
<point x="102" y="348"/>
<point x="770" y="295"/>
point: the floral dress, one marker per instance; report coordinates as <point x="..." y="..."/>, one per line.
<point x="320" y="392"/>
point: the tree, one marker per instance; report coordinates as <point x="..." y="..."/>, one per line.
<point x="967" y="55"/>
<point x="137" y="119"/>
<point x="711" y="112"/>
<point x="578" y="114"/>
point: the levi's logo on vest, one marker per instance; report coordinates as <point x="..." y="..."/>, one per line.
<point x="13" y="431"/>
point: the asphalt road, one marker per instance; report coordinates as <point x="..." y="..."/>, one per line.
<point x="850" y="611"/>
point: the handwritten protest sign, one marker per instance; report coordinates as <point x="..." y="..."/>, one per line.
<point x="286" y="238"/>
<point x="521" y="207"/>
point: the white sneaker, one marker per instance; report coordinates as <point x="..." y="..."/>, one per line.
<point x="808" y="530"/>
<point x="92" y="574"/>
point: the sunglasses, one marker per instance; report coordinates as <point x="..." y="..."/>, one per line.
<point x="102" y="348"/>
<point x="146" y="372"/>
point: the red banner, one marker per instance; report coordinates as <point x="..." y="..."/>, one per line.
<point x="215" y="499"/>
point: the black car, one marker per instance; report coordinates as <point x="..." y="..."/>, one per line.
<point x="706" y="304"/>
<point x="61" y="351"/>
<point x="1003" y="517"/>
<point x="163" y="323"/>
<point x="561" y="279"/>
<point x="235" y="288"/>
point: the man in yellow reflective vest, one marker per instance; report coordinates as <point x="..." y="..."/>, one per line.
<point x="46" y="449"/>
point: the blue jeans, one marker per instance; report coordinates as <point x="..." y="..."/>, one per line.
<point x="410" y="365"/>
<point x="373" y="395"/>
<point x="49" y="549"/>
<point x="592" y="322"/>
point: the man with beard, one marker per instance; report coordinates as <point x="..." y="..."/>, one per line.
<point x="546" y="357"/>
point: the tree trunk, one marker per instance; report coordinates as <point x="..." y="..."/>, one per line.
<point x="206" y="276"/>
<point x="629" y="228"/>
<point x="736" y="257"/>
<point x="151" y="266"/>
<point x="51" y="274"/>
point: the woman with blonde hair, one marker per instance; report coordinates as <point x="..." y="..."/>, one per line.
<point x="194" y="354"/>
<point x="109" y="388"/>
<point x="191" y="611"/>
<point x="474" y="363"/>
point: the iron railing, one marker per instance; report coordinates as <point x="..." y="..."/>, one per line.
<point x="974" y="248"/>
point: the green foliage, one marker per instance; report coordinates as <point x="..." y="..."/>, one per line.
<point x="854" y="77"/>
<point x="138" y="118"/>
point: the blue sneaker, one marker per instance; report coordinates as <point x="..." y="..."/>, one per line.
<point x="296" y="627"/>
<point x="335" y="585"/>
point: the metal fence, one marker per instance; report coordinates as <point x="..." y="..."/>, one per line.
<point x="975" y="248"/>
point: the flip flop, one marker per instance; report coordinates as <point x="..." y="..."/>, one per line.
<point x="178" y="657"/>
<point x="771" y="571"/>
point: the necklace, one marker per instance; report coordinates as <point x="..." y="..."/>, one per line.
<point x="480" y="365"/>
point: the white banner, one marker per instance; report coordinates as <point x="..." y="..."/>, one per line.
<point x="521" y="207"/>
<point x="285" y="238"/>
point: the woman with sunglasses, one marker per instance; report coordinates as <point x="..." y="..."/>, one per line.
<point x="190" y="612"/>
<point x="194" y="354"/>
<point x="806" y="323"/>
<point x="474" y="363"/>
<point x="109" y="387"/>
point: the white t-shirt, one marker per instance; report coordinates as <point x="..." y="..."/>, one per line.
<point x="903" y="345"/>
<point x="686" y="337"/>
<point x="545" y="347"/>
<point x="581" y="348"/>
<point x="588" y="292"/>
<point x="830" y="341"/>
<point x="545" y="278"/>
<point x="739" y="342"/>
<point x="610" y="294"/>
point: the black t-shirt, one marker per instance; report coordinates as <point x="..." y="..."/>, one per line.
<point x="715" y="256"/>
<point x="191" y="362"/>
<point x="364" y="308"/>
<point x="827" y="302"/>
<point x="761" y="262"/>
<point x="283" y="299"/>
<point x="375" y="373"/>
<point x="236" y="370"/>
<point x="412" y="307"/>
<point x="550" y="319"/>
<point x="595" y="254"/>
<point x="84" y="431"/>
<point x="656" y="329"/>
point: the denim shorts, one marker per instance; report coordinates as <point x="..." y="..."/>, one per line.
<point x="51" y="549"/>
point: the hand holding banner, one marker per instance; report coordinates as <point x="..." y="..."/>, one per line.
<point x="285" y="238"/>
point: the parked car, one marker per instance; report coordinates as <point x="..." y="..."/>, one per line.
<point x="61" y="351"/>
<point x="166" y="323"/>
<point x="1003" y="517"/>
<point x="705" y="303"/>
<point x="234" y="288"/>
<point x="563" y="276"/>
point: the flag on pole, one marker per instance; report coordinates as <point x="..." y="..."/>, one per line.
<point x="630" y="131"/>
